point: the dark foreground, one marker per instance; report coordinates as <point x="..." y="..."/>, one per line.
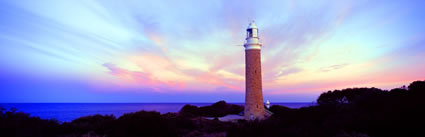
<point x="356" y="112"/>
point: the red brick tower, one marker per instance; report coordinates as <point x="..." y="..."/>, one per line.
<point x="254" y="107"/>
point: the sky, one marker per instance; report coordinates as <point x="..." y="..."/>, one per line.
<point x="191" y="51"/>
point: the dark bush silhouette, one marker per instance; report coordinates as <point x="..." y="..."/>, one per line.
<point x="350" y="95"/>
<point x="220" y="109"/>
<point x="280" y="110"/>
<point x="95" y="125"/>
<point x="417" y="86"/>
<point x="13" y="123"/>
<point x="217" y="109"/>
<point x="189" y="111"/>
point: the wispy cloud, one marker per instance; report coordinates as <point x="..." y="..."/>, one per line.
<point x="167" y="47"/>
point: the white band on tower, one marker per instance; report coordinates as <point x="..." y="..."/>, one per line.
<point x="253" y="46"/>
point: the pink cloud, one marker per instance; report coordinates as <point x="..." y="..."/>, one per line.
<point x="134" y="79"/>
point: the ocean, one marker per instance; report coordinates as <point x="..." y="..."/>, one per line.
<point x="66" y="112"/>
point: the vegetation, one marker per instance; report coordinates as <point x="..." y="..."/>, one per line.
<point x="218" y="109"/>
<point x="353" y="112"/>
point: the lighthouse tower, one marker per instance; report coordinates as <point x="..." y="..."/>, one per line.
<point x="254" y="107"/>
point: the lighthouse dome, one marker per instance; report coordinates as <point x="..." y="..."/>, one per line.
<point x="252" y="25"/>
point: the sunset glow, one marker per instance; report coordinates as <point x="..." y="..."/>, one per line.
<point x="175" y="51"/>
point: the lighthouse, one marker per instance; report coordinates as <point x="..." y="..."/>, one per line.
<point x="254" y="107"/>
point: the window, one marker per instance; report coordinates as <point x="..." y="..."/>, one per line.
<point x="249" y="33"/>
